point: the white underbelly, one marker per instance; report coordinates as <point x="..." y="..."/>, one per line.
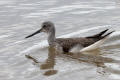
<point x="79" y="48"/>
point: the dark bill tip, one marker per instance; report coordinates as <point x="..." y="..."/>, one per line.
<point x="29" y="36"/>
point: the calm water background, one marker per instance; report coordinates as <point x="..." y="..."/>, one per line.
<point x="73" y="18"/>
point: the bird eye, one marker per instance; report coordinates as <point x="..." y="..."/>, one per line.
<point x="44" y="26"/>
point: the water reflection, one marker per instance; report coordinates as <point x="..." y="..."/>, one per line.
<point x="91" y="57"/>
<point x="49" y="63"/>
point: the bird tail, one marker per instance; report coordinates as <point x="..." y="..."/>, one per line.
<point x="100" y="35"/>
<point x="107" y="34"/>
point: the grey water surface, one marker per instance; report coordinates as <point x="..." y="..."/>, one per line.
<point x="72" y="18"/>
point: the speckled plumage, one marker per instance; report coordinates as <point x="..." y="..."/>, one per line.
<point x="68" y="43"/>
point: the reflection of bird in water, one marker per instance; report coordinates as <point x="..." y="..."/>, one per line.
<point x="68" y="43"/>
<point x="51" y="60"/>
<point x="49" y="64"/>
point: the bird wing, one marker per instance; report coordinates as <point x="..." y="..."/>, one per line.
<point x="68" y="43"/>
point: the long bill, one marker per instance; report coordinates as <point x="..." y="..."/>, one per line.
<point x="34" y="33"/>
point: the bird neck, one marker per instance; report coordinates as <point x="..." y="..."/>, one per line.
<point x="51" y="37"/>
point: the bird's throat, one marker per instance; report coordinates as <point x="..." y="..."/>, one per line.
<point x="51" y="38"/>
